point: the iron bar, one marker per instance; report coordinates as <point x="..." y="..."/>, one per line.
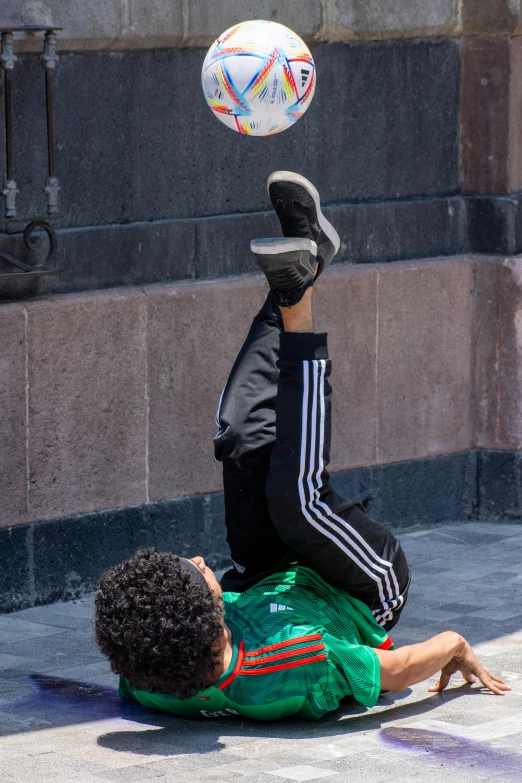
<point x="32" y="234"/>
<point x="7" y="60"/>
<point x="49" y="59"/>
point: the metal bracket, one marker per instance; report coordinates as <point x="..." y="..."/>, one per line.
<point x="33" y="242"/>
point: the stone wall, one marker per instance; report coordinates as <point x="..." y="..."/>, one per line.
<point x="116" y="24"/>
<point x="110" y="372"/>
<point x="111" y="396"/>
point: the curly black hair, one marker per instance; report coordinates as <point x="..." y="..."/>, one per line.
<point x="157" y="625"/>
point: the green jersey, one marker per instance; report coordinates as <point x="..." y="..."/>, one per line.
<point x="299" y="647"/>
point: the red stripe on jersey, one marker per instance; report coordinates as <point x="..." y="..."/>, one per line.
<point x="287" y="654"/>
<point x="280" y="666"/>
<point x="236" y="667"/>
<point x="298" y="640"/>
<point x="387" y="643"/>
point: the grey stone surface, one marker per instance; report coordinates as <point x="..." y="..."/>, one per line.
<point x="391" y="19"/>
<point x="16" y="587"/>
<point x="499" y="481"/>
<point x="64" y="558"/>
<point x="219" y="246"/>
<point x="495" y="224"/>
<point x="87" y="449"/>
<point x="447" y="494"/>
<point x="136" y="23"/>
<point x="61" y="718"/>
<point x="496" y="332"/>
<point x="13" y="421"/>
<point x="206" y="20"/>
<point x="152" y="149"/>
<point x="424" y="360"/>
<point x="493" y="17"/>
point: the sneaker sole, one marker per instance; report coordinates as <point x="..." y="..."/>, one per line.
<point x="302" y="184"/>
<point x="287" y="263"/>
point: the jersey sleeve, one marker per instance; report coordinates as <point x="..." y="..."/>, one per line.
<point x="357" y="668"/>
<point x="125" y="691"/>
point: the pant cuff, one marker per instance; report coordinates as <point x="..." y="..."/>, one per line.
<point x="303" y="346"/>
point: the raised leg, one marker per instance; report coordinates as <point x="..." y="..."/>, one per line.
<point x="348" y="549"/>
<point x="244" y="442"/>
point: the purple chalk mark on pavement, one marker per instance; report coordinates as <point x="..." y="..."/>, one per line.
<point x="453" y="750"/>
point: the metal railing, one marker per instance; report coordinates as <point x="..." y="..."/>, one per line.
<point x="36" y="225"/>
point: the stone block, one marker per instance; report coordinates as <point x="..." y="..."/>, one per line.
<point x="223" y="244"/>
<point x="153" y="150"/>
<point x="399" y="230"/>
<point x="207" y="20"/>
<point x="494" y="224"/>
<point x="499" y="481"/>
<point x="212" y="247"/>
<point x="490" y="18"/>
<point x="491" y="124"/>
<point x="84" y="23"/>
<point x="67" y="566"/>
<point x="16" y="546"/>
<point x="346" y="307"/>
<point x="194" y="334"/>
<point x="497" y="354"/>
<point x="386" y="107"/>
<point x="13" y="431"/>
<point x="485" y="354"/>
<point x="424" y="359"/>
<point x="423" y="492"/>
<point x="139" y="254"/>
<point x="354" y="484"/>
<point x="391" y="19"/>
<point x="87" y="403"/>
<point x="189" y="526"/>
<point x="153" y="21"/>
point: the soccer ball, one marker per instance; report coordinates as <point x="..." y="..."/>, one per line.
<point x="258" y="78"/>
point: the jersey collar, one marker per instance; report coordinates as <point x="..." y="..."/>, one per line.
<point x="236" y="660"/>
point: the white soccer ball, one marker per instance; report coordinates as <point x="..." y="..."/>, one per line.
<point x="258" y="78"/>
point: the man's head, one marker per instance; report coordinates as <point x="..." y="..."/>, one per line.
<point x="159" y="620"/>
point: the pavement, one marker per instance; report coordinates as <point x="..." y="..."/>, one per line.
<point x="61" y="718"/>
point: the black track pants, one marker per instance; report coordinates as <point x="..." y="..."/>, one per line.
<point x="274" y="435"/>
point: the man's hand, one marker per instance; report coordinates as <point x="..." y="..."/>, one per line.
<point x="448" y="652"/>
<point x="467" y="663"/>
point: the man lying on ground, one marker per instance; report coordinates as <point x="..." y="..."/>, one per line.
<point x="302" y="619"/>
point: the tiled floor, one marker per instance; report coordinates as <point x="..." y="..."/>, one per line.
<point x="61" y="720"/>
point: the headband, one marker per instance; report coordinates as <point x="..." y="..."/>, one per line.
<point x="193" y="570"/>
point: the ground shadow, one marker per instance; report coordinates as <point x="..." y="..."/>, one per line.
<point x="55" y="698"/>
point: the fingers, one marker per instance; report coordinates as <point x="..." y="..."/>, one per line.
<point x="494" y="683"/>
<point x="442" y="683"/>
<point x="491" y="681"/>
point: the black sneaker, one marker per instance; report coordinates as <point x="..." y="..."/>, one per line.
<point x="289" y="265"/>
<point x="298" y="208"/>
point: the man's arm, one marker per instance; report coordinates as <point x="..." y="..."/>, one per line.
<point x="448" y="652"/>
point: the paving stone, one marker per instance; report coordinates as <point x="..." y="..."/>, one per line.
<point x="69" y="723"/>
<point x="302" y="772"/>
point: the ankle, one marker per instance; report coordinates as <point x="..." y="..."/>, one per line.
<point x="299" y="317"/>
